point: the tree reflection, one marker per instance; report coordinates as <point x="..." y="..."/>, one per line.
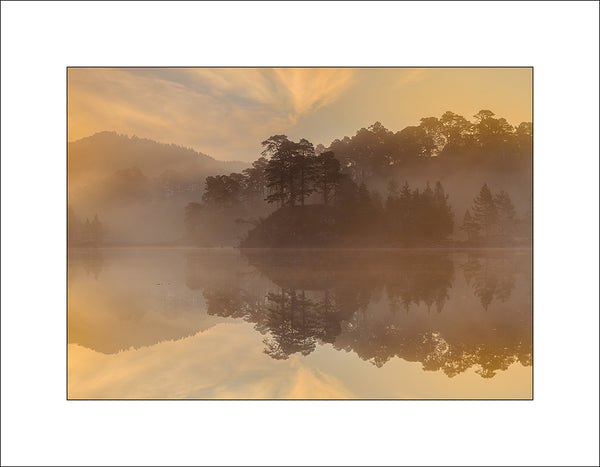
<point x="90" y="260"/>
<point x="490" y="277"/>
<point x="382" y="305"/>
<point x="425" y="279"/>
<point x="293" y="322"/>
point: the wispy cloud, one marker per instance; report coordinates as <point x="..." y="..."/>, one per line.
<point x="222" y="112"/>
<point x="227" y="112"/>
<point x="312" y="88"/>
<point x="411" y="76"/>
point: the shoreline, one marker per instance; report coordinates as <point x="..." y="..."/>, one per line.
<point x="345" y="248"/>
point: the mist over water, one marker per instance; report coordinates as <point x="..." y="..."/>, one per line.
<point x="170" y="323"/>
<point x="149" y="193"/>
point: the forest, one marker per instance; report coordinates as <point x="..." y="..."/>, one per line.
<point x="377" y="188"/>
<point x="84" y="233"/>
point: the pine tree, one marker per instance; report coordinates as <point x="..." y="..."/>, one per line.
<point x="328" y="175"/>
<point x="470" y="226"/>
<point x="405" y="207"/>
<point x="277" y="171"/>
<point x="444" y="216"/>
<point x="304" y="167"/>
<point x="427" y="213"/>
<point x="506" y="213"/>
<point x="393" y="195"/>
<point x="255" y="180"/>
<point x="484" y="211"/>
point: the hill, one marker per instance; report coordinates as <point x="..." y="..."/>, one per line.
<point x="108" y="152"/>
<point x="138" y="187"/>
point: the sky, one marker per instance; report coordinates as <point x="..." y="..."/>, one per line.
<point x="227" y="112"/>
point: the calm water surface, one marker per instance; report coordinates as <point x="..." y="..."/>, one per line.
<point x="224" y="323"/>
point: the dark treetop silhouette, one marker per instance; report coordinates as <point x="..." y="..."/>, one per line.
<point x="333" y="196"/>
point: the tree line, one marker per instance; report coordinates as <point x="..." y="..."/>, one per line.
<point x="291" y="171"/>
<point x="375" y="151"/>
<point x="287" y="174"/>
<point x="493" y="216"/>
<point x="84" y="233"/>
<point x="292" y="174"/>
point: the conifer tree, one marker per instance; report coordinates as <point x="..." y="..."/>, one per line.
<point x="328" y="175"/>
<point x="484" y="211"/>
<point x="304" y="168"/>
<point x="470" y="226"/>
<point x="444" y="222"/>
<point x="255" y="180"/>
<point x="506" y="213"/>
<point x="277" y="169"/>
<point x="393" y="196"/>
<point x="426" y="213"/>
<point x="405" y="204"/>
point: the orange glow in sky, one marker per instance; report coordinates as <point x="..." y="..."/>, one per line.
<point x="227" y="112"/>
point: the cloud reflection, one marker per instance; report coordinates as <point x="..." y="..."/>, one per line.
<point x="199" y="366"/>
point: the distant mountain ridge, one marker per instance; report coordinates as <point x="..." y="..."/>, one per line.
<point x="109" y="151"/>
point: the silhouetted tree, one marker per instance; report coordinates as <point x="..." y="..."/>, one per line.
<point x="223" y="191"/>
<point x="277" y="171"/>
<point x="494" y="135"/>
<point x="434" y="139"/>
<point x="418" y="215"/>
<point x="484" y="211"/>
<point x="443" y="219"/>
<point x="290" y="172"/>
<point x="506" y="213"/>
<point x="89" y="234"/>
<point x="470" y="226"/>
<point x="328" y="175"/>
<point x="411" y="144"/>
<point x="404" y="211"/>
<point x="457" y="132"/>
<point x="524" y="138"/>
<point x="304" y="169"/>
<point x="96" y="231"/>
<point x="255" y="180"/>
<point x="392" y="207"/>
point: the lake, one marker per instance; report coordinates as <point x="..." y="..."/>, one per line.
<point x="188" y="323"/>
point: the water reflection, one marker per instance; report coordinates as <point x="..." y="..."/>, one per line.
<point x="491" y="276"/>
<point x="88" y="261"/>
<point x="307" y="323"/>
<point x="379" y="305"/>
<point x="119" y="299"/>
